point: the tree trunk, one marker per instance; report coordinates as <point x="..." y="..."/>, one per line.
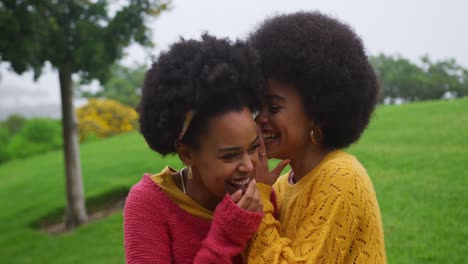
<point x="75" y="212"/>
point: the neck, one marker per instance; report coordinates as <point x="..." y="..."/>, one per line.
<point x="198" y="192"/>
<point x="306" y="161"/>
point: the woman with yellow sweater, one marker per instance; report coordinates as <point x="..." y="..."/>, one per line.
<point x="321" y="92"/>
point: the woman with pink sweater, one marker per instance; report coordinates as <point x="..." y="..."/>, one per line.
<point x="197" y="102"/>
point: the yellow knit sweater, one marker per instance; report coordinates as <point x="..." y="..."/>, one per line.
<point x="330" y="216"/>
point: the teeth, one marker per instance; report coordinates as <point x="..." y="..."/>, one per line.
<point x="240" y="182"/>
<point x="268" y="135"/>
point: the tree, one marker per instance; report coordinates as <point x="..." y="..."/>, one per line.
<point x="123" y="85"/>
<point x="402" y="79"/>
<point x="445" y="76"/>
<point x="76" y="37"/>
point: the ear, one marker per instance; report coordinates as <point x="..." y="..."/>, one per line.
<point x="185" y="153"/>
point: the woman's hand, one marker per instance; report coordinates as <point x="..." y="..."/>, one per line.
<point x="251" y="200"/>
<point x="262" y="171"/>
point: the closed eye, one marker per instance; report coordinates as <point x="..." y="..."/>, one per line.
<point x="253" y="148"/>
<point x="229" y="156"/>
<point x="274" y="108"/>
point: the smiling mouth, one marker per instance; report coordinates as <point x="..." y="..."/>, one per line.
<point x="240" y="183"/>
<point x="269" y="136"/>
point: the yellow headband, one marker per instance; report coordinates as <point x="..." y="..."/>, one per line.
<point x="188" y="118"/>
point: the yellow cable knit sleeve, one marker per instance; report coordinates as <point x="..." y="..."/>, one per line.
<point x="334" y="218"/>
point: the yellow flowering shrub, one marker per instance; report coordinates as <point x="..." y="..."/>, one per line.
<point x="105" y="118"/>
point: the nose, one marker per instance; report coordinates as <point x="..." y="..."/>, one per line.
<point x="247" y="163"/>
<point x="261" y="118"/>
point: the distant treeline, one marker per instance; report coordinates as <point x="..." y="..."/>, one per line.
<point x="401" y="80"/>
<point x="404" y="81"/>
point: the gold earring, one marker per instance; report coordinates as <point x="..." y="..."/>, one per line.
<point x="189" y="173"/>
<point x="314" y="141"/>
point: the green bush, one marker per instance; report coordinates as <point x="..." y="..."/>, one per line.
<point x="20" y="147"/>
<point x="4" y="140"/>
<point x="14" y="123"/>
<point x="36" y="135"/>
<point x="41" y="130"/>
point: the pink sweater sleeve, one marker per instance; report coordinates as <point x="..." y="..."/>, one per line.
<point x="146" y="234"/>
<point x="148" y="239"/>
<point x="230" y="230"/>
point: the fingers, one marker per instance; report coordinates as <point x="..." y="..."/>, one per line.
<point x="261" y="148"/>
<point x="275" y="173"/>
<point x="251" y="200"/>
<point x="256" y="204"/>
<point x="262" y="171"/>
<point x="236" y="196"/>
<point x="246" y="199"/>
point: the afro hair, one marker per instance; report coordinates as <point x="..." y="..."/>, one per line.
<point x="210" y="76"/>
<point x="325" y="61"/>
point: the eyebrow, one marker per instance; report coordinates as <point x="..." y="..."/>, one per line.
<point x="237" y="148"/>
<point x="275" y="97"/>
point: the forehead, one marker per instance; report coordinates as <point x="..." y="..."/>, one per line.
<point x="281" y="91"/>
<point x="230" y="129"/>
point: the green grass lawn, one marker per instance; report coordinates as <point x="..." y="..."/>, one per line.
<point x="416" y="155"/>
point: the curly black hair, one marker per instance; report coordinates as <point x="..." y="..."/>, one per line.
<point x="210" y="77"/>
<point x="325" y="61"/>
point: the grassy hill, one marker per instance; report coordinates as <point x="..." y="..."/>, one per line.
<point x="416" y="155"/>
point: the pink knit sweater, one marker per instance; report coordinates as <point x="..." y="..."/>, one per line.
<point x="158" y="231"/>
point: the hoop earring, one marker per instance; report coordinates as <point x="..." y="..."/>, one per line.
<point x="189" y="173"/>
<point x="314" y="141"/>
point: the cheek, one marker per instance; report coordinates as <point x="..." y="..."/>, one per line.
<point x="280" y="121"/>
<point x="216" y="174"/>
<point x="293" y="128"/>
<point x="297" y="119"/>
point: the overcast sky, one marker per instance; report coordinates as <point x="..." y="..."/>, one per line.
<point x="409" y="28"/>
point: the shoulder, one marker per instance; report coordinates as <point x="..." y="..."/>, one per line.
<point x="341" y="177"/>
<point x="342" y="170"/>
<point x="145" y="186"/>
<point x="144" y="195"/>
<point x="346" y="176"/>
<point x="150" y="186"/>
